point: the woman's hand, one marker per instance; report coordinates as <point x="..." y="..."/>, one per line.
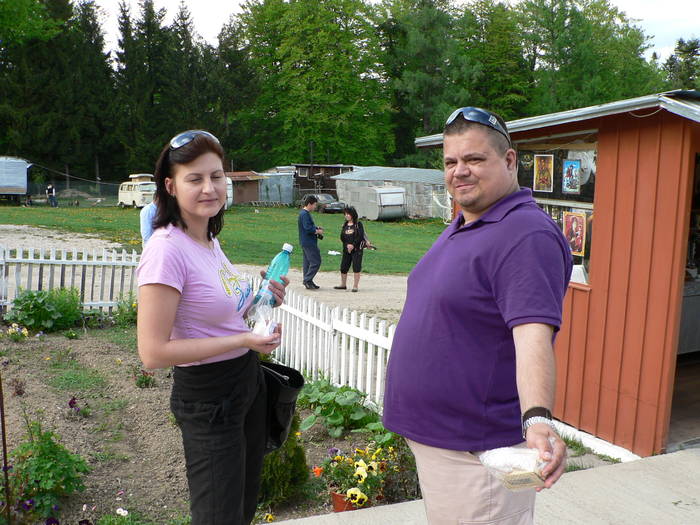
<point x="350" y="248"/>
<point x="265" y="344"/>
<point x="278" y="289"/>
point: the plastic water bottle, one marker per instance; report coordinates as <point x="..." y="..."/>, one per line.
<point x="261" y="310"/>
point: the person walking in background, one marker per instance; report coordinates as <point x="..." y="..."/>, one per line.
<point x="352" y="236"/>
<point x="472" y="365"/>
<point x="309" y="234"/>
<point x="192" y="303"/>
<point x="148" y="213"/>
<point x="51" y="195"/>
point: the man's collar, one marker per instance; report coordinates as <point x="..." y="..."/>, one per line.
<point x="499" y="209"/>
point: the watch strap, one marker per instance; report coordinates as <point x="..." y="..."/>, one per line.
<point x="535" y="415"/>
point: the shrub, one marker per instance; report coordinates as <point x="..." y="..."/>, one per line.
<point x="42" y="472"/>
<point x="126" y="312"/>
<point x="338" y="408"/>
<point x="285" y="470"/>
<point x="44" y="310"/>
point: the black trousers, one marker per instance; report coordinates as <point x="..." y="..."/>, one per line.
<point x="220" y="408"/>
<point x="354" y="258"/>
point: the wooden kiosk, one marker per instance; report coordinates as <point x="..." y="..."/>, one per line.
<point x="630" y="317"/>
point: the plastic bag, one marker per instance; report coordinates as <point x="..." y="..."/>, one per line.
<point x="262" y="319"/>
<point x="518" y="468"/>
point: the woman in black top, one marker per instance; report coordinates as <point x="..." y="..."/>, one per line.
<point x="352" y="235"/>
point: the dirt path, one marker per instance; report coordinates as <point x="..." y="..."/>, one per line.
<point x="379" y="295"/>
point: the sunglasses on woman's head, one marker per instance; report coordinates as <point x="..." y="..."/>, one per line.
<point x="184" y="138"/>
<point x="480" y="116"/>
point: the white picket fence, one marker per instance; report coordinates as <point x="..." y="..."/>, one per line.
<point x="344" y="346"/>
<point x="103" y="278"/>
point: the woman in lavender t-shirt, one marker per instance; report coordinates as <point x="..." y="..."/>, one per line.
<point x="192" y="303"/>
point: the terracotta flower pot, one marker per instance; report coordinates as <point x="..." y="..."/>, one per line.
<point x="340" y="503"/>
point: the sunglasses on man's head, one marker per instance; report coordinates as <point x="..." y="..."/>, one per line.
<point x="184" y="138"/>
<point x="480" y="116"/>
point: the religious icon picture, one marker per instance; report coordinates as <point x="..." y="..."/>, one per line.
<point x="543" y="179"/>
<point x="571" y="178"/>
<point x="575" y="231"/>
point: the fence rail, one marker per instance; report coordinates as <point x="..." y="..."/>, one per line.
<point x="344" y="346"/>
<point x="103" y="277"/>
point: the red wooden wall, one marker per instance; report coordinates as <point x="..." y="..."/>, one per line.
<point x="616" y="352"/>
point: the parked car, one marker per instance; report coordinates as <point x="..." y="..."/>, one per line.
<point x="329" y="204"/>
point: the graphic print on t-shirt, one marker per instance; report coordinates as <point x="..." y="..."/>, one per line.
<point x="234" y="285"/>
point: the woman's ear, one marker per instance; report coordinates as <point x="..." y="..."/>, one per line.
<point x="169" y="186"/>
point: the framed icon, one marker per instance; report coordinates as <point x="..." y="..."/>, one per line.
<point x="543" y="179"/>
<point x="574" y="227"/>
<point x="571" y="177"/>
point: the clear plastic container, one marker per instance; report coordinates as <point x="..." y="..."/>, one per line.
<point x="261" y="310"/>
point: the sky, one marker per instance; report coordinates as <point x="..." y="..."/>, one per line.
<point x="666" y="21"/>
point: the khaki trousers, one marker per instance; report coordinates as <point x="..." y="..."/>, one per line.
<point x="458" y="490"/>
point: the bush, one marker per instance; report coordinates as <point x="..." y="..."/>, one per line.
<point x="285" y="471"/>
<point x="42" y="472"/>
<point x="44" y="310"/>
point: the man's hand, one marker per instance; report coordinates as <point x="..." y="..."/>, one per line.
<point x="538" y="436"/>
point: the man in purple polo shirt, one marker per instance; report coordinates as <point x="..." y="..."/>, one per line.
<point x="472" y="365"/>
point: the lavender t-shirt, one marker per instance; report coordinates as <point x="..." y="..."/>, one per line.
<point x="213" y="294"/>
<point x="451" y="374"/>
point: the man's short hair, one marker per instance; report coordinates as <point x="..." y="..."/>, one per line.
<point x="461" y="125"/>
<point x="310" y="199"/>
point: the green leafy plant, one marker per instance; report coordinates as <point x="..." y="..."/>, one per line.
<point x="71" y="334"/>
<point x="42" y="472"/>
<point x="50" y="310"/>
<point x="338" y="408"/>
<point x="126" y="312"/>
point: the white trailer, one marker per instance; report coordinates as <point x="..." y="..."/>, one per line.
<point x="13" y="178"/>
<point x="379" y="203"/>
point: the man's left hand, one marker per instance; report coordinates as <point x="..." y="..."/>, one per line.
<point x="278" y="289"/>
<point x="538" y="437"/>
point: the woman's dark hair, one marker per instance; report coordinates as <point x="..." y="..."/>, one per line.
<point x="350" y="210"/>
<point x="168" y="211"/>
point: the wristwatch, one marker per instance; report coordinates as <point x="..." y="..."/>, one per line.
<point x="536" y="415"/>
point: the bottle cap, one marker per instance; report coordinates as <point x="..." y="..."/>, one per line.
<point x="287" y="247"/>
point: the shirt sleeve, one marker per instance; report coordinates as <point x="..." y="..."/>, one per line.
<point x="307" y="223"/>
<point x="534" y="292"/>
<point x="162" y="263"/>
<point x="146" y="222"/>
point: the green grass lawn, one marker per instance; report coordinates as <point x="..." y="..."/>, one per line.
<point x="249" y="237"/>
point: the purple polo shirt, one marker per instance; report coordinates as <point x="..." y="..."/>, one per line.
<point x="450" y="379"/>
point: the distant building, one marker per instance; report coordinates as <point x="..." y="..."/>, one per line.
<point x="425" y="188"/>
<point x="318" y="178"/>
<point x="278" y="186"/>
<point x="246" y="186"/>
